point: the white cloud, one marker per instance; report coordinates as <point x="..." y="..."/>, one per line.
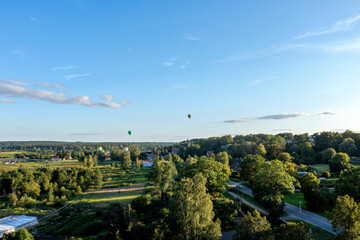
<point x="50" y="85"/>
<point x="168" y="64"/>
<point x="339" y="26"/>
<point x="190" y="37"/>
<point x="280" y="116"/>
<point x="10" y="90"/>
<point x="68" y="77"/>
<point x="177" y="63"/>
<point x="16" y="82"/>
<point x="6" y="100"/>
<point x="33" y="19"/>
<point x="327" y="113"/>
<point x="108" y="97"/>
<point x="67" y="67"/>
<point x="125" y="102"/>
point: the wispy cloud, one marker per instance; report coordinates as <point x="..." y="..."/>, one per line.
<point x="6" y="100"/>
<point x="33" y="19"/>
<point x="190" y="37"/>
<point x="68" y="77"/>
<point x="339" y="26"/>
<point x="50" y="85"/>
<point x="177" y="63"/>
<point x="11" y="90"/>
<point x="327" y="113"/>
<point x="234" y="121"/>
<point x="168" y="64"/>
<point x="345" y="46"/>
<point x="108" y="97"/>
<point x="125" y="102"/>
<point x="16" y="82"/>
<point x="281" y="116"/>
<point x="67" y="67"/>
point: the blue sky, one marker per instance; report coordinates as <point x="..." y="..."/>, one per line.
<point x="92" y="70"/>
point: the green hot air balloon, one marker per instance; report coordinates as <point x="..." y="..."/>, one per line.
<point x="189" y="116"/>
<point x="129" y="132"/>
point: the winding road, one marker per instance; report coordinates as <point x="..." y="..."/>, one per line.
<point x="294" y="212"/>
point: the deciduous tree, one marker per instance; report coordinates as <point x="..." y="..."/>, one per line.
<point x="254" y="227"/>
<point x="346" y="218"/>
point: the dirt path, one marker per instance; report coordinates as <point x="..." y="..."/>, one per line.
<point x="120" y="189"/>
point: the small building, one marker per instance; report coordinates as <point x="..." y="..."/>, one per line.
<point x="55" y="158"/>
<point x="175" y="151"/>
<point x="147" y="163"/>
<point x="14" y="223"/>
<point x="126" y="148"/>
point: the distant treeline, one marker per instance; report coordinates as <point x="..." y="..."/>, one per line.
<point x="303" y="148"/>
<point x="45" y="150"/>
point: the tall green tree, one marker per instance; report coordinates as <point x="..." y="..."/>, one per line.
<point x="307" y="153"/>
<point x="345" y="217"/>
<point x="327" y="154"/>
<point x="293" y="231"/>
<point x="254" y="227"/>
<point x="192" y="211"/>
<point x="269" y="185"/>
<point x="284" y="157"/>
<point x="223" y="158"/>
<point x="260" y="150"/>
<point x="125" y="159"/>
<point x="338" y="162"/>
<point x="349" y="183"/>
<point x="216" y="173"/>
<point x="348" y="146"/>
<point x="162" y="175"/>
<point x="250" y="166"/>
<point x="310" y="186"/>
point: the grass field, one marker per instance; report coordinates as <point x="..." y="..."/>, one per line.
<point x="321" y="167"/>
<point x="316" y="232"/>
<point x="104" y="199"/>
<point x="45" y="163"/>
<point x="295" y="198"/>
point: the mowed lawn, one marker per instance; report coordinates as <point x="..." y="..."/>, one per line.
<point x="107" y="198"/>
<point x="295" y="198"/>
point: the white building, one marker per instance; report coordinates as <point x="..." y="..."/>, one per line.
<point x="13" y="223"/>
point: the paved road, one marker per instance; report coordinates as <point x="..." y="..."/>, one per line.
<point x="294" y="212"/>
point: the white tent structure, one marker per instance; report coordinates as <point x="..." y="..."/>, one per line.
<point x="14" y="223"/>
